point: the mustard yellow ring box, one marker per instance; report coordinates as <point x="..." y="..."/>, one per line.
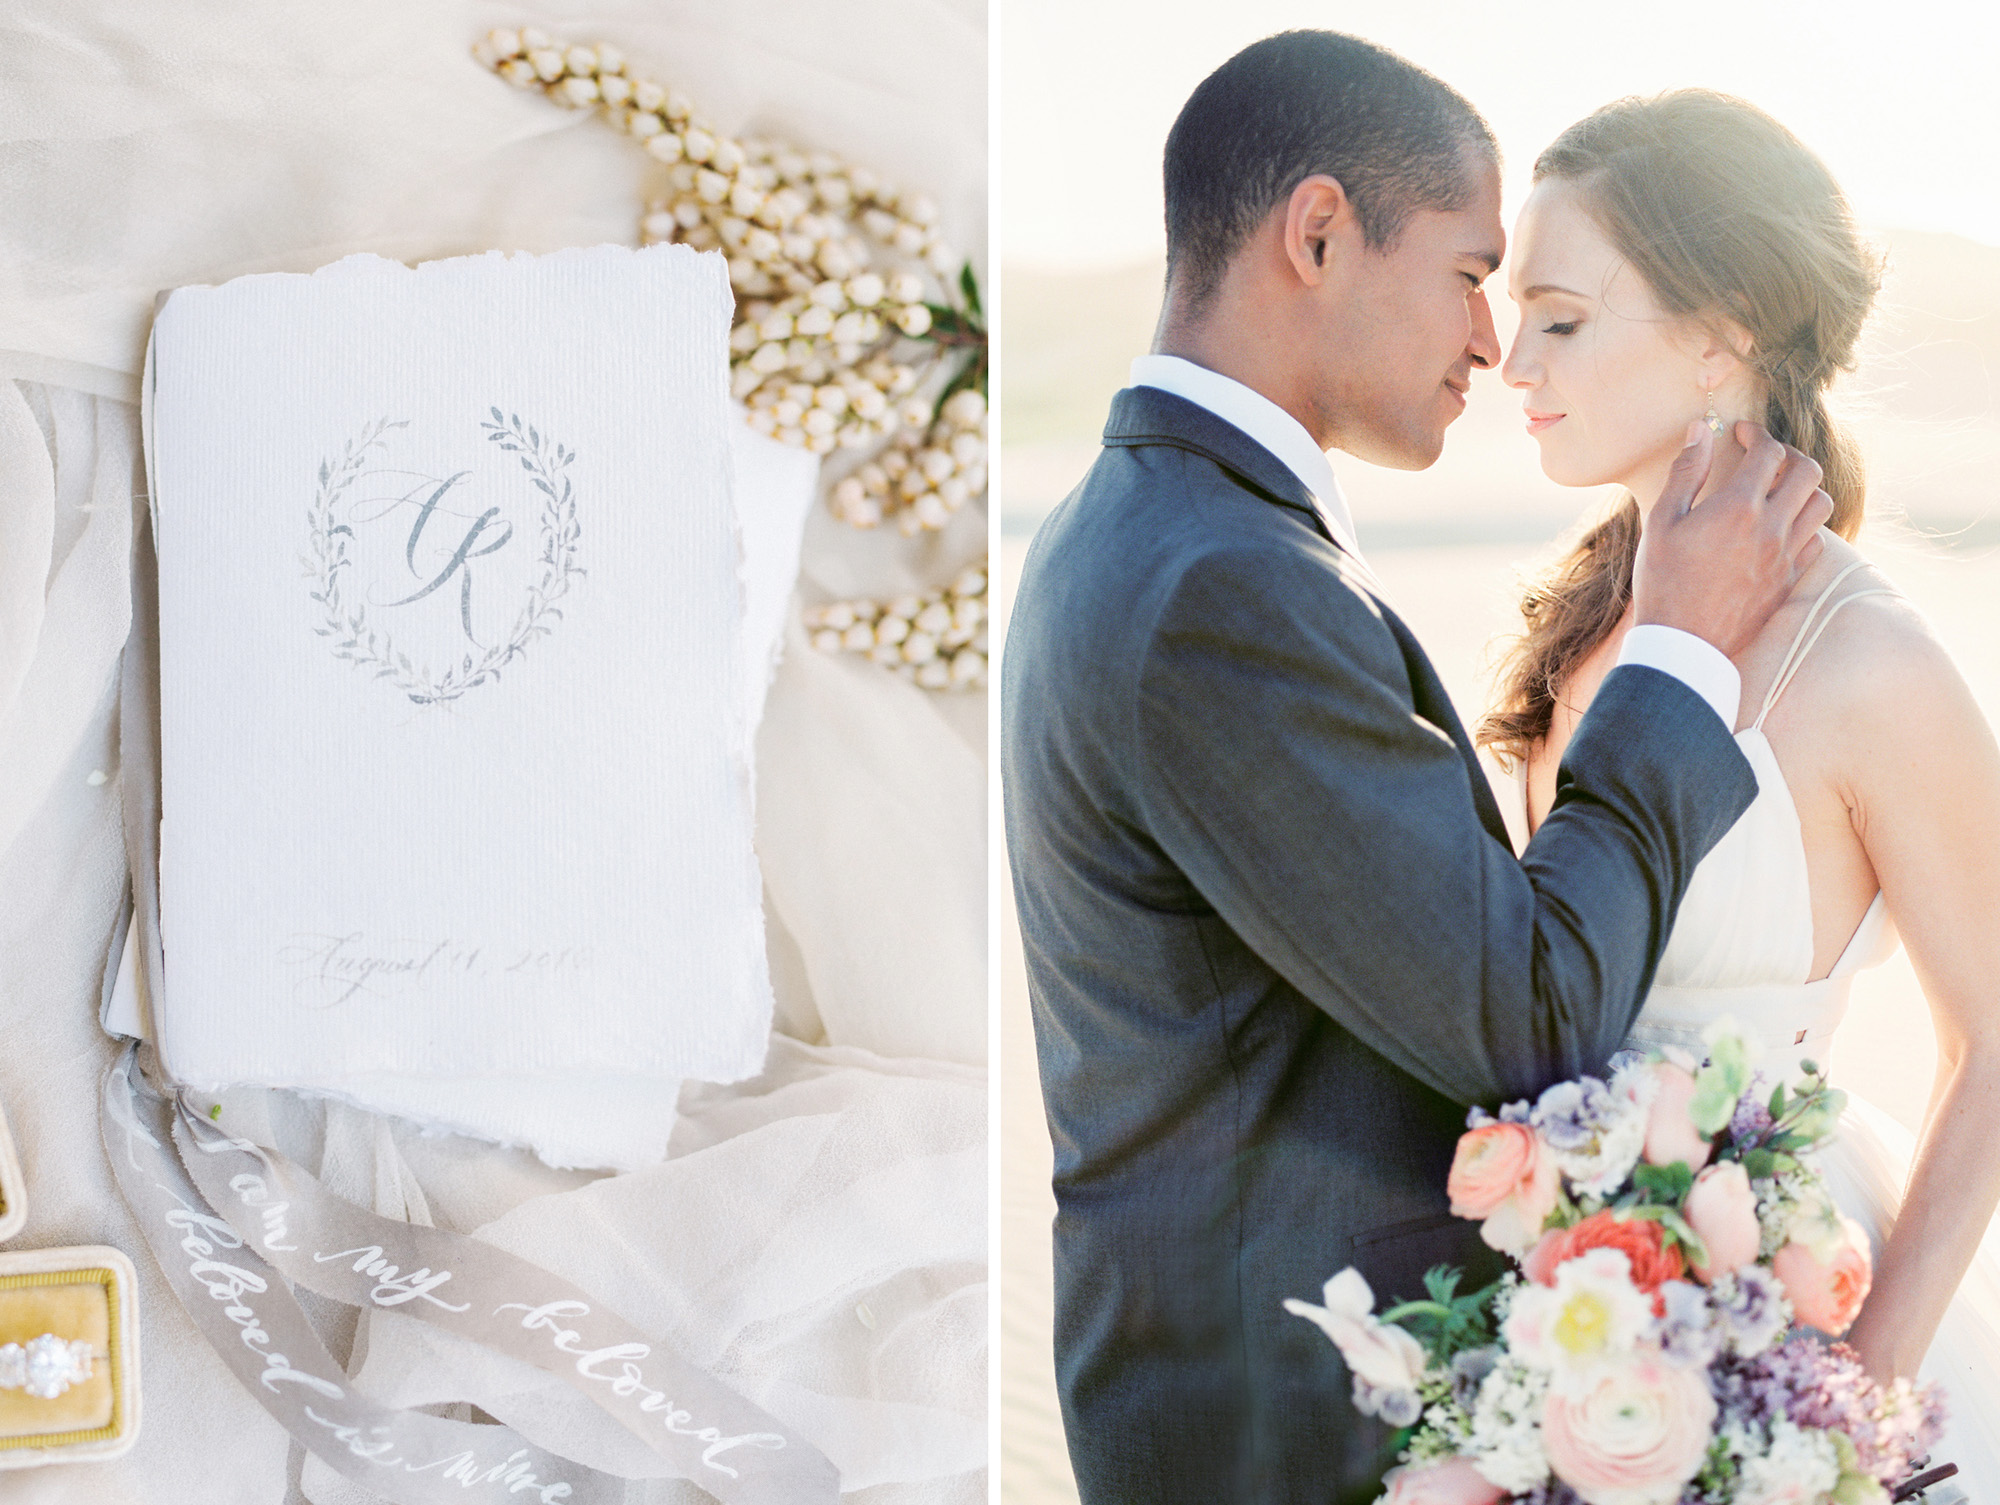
<point x="13" y="1195"/>
<point x="69" y="1355"/>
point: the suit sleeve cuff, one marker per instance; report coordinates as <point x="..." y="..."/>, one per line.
<point x="1696" y="663"/>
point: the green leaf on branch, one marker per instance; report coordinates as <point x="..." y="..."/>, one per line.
<point x="968" y="286"/>
<point x="1778" y="1101"/>
<point x="1667" y="1183"/>
<point x="1685" y="1236"/>
<point x="947" y="320"/>
<point x="1759" y="1164"/>
<point x="1441" y="1282"/>
<point x="1713" y="1104"/>
<point x="1447" y="1322"/>
<point x="972" y="374"/>
<point x="1719" y="1084"/>
<point x="1819" y="1114"/>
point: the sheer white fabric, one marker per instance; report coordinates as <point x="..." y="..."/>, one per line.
<point x="1742" y="947"/>
<point x="143" y="148"/>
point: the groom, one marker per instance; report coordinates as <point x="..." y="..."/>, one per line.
<point x="1276" y="937"/>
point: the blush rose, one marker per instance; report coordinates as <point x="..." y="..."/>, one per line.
<point x="1670" y="1131"/>
<point x="1827" y="1294"/>
<point x="1722" y="1210"/>
<point x="1452" y="1482"/>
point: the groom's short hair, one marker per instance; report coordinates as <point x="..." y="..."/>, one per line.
<point x="1300" y="103"/>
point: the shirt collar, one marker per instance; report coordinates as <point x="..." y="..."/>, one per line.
<point x="1264" y="421"/>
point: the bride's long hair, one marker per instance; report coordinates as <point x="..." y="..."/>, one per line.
<point x="1726" y="215"/>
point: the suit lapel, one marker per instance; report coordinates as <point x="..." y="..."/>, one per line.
<point x="1428" y="696"/>
<point x="1147" y="415"/>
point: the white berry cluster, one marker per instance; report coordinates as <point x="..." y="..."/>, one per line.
<point x="937" y="640"/>
<point x="928" y="473"/>
<point x="818" y="324"/>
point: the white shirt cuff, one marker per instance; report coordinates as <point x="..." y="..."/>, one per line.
<point x="1695" y="662"/>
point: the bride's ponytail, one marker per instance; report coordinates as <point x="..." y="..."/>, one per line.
<point x="1796" y="413"/>
<point x="1727" y="216"/>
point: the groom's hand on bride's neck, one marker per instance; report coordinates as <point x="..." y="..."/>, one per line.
<point x="1718" y="570"/>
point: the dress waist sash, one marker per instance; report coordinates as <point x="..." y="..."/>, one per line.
<point x="1789" y="1020"/>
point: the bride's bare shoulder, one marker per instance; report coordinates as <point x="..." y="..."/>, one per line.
<point x="1882" y="666"/>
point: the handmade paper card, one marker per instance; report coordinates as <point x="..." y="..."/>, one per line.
<point x="455" y="748"/>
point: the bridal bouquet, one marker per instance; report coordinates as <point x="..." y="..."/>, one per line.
<point x="1674" y="1240"/>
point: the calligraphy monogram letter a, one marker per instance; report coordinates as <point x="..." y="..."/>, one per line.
<point x="446" y="536"/>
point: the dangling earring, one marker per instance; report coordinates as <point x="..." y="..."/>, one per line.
<point x="1714" y="423"/>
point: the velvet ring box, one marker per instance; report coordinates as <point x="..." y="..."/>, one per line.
<point x="13" y="1196"/>
<point x="83" y="1294"/>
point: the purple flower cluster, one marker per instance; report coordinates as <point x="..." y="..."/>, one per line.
<point x="1570" y="1114"/>
<point x="1687" y="1330"/>
<point x="1399" y="1408"/>
<point x="1752" y="1120"/>
<point x="1817" y="1384"/>
<point x="1752" y="1307"/>
<point x="1510" y="1113"/>
<point x="1468" y="1372"/>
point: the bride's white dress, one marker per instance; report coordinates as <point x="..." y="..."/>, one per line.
<point x="1742" y="946"/>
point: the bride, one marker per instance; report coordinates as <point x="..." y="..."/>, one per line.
<point x="1686" y="257"/>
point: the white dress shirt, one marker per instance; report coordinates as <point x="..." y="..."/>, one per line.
<point x="1695" y="662"/>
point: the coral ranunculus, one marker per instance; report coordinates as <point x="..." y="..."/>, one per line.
<point x="1634" y="1435"/>
<point x="1452" y="1482"/>
<point x="1827" y="1295"/>
<point x="1503" y="1175"/>
<point x="1638" y="1239"/>
<point x="1491" y="1163"/>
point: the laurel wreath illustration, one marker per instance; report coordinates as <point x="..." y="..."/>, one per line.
<point x="358" y="641"/>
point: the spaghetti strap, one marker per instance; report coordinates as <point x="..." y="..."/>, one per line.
<point x="1809" y="633"/>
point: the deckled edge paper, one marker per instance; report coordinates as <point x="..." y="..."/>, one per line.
<point x="583" y="1121"/>
<point x="748" y="1059"/>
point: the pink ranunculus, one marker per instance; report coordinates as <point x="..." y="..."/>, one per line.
<point x="1722" y="1210"/>
<point x="1504" y="1176"/>
<point x="1452" y="1482"/>
<point x="1670" y="1132"/>
<point x="1633" y="1434"/>
<point x="1539" y="1263"/>
<point x="1827" y="1295"/>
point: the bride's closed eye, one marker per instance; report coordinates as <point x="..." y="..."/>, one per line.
<point x="1563" y="327"/>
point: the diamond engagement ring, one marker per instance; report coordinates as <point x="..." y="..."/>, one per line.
<point x="45" y="1367"/>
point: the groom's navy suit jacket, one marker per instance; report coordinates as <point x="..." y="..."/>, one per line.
<point x="1277" y="940"/>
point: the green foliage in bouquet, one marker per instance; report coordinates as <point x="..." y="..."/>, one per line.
<point x="1448" y="1323"/>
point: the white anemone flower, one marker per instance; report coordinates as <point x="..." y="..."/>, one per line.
<point x="1592" y="1314"/>
<point x="1380" y="1353"/>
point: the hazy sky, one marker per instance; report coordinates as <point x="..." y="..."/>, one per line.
<point x="1896" y="97"/>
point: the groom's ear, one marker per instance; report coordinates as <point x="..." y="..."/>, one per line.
<point x="1317" y="220"/>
